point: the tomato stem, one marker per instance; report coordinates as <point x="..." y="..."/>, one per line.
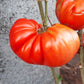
<point x="54" y="75"/>
<point x="50" y="21"/>
<point x="43" y="17"/>
<point x="41" y="10"/>
<point x="81" y="55"/>
<point x="46" y="14"/>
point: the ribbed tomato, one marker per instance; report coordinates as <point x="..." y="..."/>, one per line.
<point x="71" y="13"/>
<point x="55" y="47"/>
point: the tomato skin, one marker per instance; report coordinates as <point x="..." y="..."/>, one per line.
<point x="55" y="47"/>
<point x="71" y="13"/>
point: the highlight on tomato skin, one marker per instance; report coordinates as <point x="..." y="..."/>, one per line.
<point x="70" y="13"/>
<point x="54" y="47"/>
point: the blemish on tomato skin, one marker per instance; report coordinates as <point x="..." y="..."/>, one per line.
<point x="83" y="26"/>
<point x="66" y="24"/>
<point x="49" y="31"/>
<point x="59" y="5"/>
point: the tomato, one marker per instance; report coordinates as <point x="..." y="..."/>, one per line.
<point x="53" y="48"/>
<point x="71" y="13"/>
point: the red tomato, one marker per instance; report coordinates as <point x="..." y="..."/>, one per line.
<point x="71" y="13"/>
<point x="55" y="47"/>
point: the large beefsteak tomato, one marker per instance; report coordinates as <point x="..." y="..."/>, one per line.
<point x="55" y="47"/>
<point x="71" y="13"/>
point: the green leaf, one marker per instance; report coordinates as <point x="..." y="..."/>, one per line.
<point x="59" y="78"/>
